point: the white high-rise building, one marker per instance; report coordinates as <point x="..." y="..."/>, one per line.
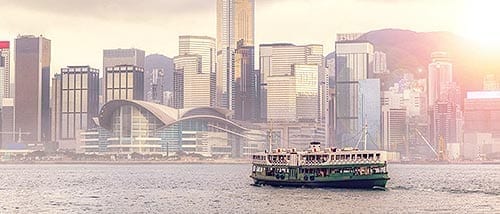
<point x="294" y="98"/>
<point x="379" y="63"/>
<point x="279" y="60"/>
<point x="353" y="61"/>
<point x="196" y="65"/>
<point x="235" y="22"/>
<point x="201" y="45"/>
<point x="193" y="86"/>
<point x="440" y="76"/>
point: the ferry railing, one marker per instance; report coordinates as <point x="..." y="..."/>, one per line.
<point x="356" y="161"/>
<point x="283" y="162"/>
<point x="314" y="162"/>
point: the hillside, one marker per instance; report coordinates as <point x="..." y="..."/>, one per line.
<point x="409" y="51"/>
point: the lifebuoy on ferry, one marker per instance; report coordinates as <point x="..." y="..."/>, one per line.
<point x="306" y="178"/>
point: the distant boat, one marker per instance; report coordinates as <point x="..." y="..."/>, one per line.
<point x="332" y="167"/>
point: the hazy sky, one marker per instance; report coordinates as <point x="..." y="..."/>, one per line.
<point x="80" y="29"/>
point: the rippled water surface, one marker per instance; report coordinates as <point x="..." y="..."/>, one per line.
<point x="226" y="189"/>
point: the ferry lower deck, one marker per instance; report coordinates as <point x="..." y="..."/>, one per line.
<point x="349" y="177"/>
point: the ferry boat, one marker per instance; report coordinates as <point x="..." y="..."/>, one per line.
<point x="316" y="167"/>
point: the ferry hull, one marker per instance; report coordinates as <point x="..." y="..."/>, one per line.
<point x="350" y="184"/>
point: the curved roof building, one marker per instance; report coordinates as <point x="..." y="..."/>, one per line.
<point x="128" y="126"/>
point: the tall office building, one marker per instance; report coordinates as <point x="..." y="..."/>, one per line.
<point x="5" y="68"/>
<point x="191" y="85"/>
<point x="55" y="107"/>
<point x="294" y="97"/>
<point x="379" y="63"/>
<point x="235" y="22"/>
<point x="32" y="68"/>
<point x="481" y="124"/>
<point x="246" y="107"/>
<point x="440" y="75"/>
<point x="446" y="123"/>
<point x="114" y="57"/>
<point x="4" y="75"/>
<point x="200" y="82"/>
<point x="201" y="45"/>
<point x="178" y="86"/>
<point x="353" y="62"/>
<point x="279" y="59"/>
<point x="394" y="126"/>
<point x="281" y="99"/>
<point x="369" y="107"/>
<point x="124" y="82"/>
<point x="491" y="82"/>
<point x="77" y="99"/>
<point x="7" y="123"/>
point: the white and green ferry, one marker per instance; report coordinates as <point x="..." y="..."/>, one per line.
<point x="316" y="167"/>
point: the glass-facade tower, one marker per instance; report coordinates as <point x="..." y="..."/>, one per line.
<point x="353" y="62"/>
<point x="79" y="100"/>
<point x="32" y="114"/>
<point x="235" y="22"/>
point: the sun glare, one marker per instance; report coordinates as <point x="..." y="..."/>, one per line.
<point x="479" y="22"/>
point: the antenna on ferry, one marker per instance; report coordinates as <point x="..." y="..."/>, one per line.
<point x="271" y="136"/>
<point x="365" y="133"/>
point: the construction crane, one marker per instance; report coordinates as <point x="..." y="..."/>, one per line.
<point x="428" y="144"/>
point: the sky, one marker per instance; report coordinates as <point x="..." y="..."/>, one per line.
<point x="81" y="29"/>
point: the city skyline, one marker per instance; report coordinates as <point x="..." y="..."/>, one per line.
<point x="156" y="30"/>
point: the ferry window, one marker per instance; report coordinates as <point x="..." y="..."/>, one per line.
<point x="365" y="156"/>
<point x="359" y="156"/>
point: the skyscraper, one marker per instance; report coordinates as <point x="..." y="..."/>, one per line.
<point x="200" y="83"/>
<point x="7" y="122"/>
<point x="114" y="57"/>
<point x="379" y="63"/>
<point x="124" y="82"/>
<point x="79" y="100"/>
<point x="245" y="105"/>
<point x="5" y="68"/>
<point x="440" y="75"/>
<point x="4" y="74"/>
<point x="279" y="59"/>
<point x="32" y="113"/>
<point x="294" y="97"/>
<point x="353" y="62"/>
<point x="235" y="22"/>
<point x="55" y="107"/>
<point x="369" y="111"/>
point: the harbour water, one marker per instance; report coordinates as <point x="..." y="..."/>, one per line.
<point x="225" y="188"/>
